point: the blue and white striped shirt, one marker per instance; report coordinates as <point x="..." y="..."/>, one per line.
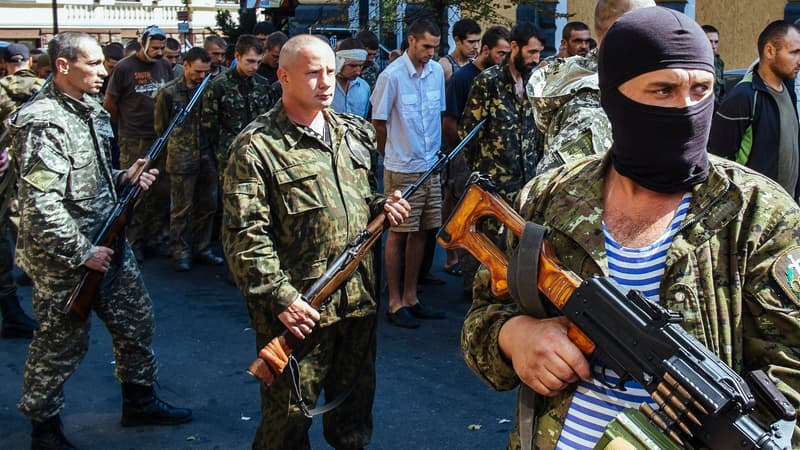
<point x="595" y="403"/>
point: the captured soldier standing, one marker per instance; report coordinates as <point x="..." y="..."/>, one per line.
<point x="130" y="99"/>
<point x="190" y="164"/>
<point x="66" y="189"/>
<point x="296" y="191"/>
<point x="235" y="98"/>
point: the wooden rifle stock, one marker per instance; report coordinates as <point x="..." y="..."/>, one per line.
<point x="79" y="302"/>
<point x="274" y="356"/>
<point x="555" y="281"/>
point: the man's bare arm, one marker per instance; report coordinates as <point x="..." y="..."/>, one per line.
<point x="380" y="134"/>
<point x="110" y="104"/>
<point x="450" y="131"/>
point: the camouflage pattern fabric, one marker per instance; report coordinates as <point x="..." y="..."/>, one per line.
<point x="8" y="287"/>
<point x="506" y="148"/>
<point x="229" y="104"/>
<point x="722" y="274"/>
<point x="324" y="365"/>
<point x="370" y="74"/>
<point x="194" y="203"/>
<point x="17" y="89"/>
<point x="566" y="101"/>
<point x="291" y="203"/>
<point x="66" y="189"/>
<point x="149" y="225"/>
<point x="719" y="79"/>
<point x="193" y="175"/>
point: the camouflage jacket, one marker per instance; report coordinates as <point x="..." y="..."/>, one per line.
<point x="66" y="185"/>
<point x="725" y="272"/>
<point x="17" y="89"/>
<point x="719" y="79"/>
<point x="506" y="147"/>
<point x="370" y="74"/>
<point x="229" y="104"/>
<point x="566" y="102"/>
<point x="185" y="143"/>
<point x="291" y="204"/>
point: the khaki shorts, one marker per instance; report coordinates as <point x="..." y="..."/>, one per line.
<point x="426" y="202"/>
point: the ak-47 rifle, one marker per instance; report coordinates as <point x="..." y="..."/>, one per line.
<point x="701" y="400"/>
<point x="273" y="357"/>
<point x="80" y="299"/>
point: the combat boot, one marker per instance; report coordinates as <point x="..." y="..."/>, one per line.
<point x="141" y="406"/>
<point x="16" y="324"/>
<point x="49" y="435"/>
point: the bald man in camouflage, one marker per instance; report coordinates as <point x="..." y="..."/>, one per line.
<point x="296" y="191"/>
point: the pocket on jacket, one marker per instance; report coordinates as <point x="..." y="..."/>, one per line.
<point x="299" y="188"/>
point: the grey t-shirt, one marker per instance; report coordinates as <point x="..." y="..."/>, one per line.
<point x="788" y="152"/>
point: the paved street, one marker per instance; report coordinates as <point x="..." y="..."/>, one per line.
<point x="426" y="397"/>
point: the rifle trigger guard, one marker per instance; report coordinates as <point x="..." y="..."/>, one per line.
<point x="523" y="270"/>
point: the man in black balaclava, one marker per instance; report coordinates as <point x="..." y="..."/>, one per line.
<point x="699" y="235"/>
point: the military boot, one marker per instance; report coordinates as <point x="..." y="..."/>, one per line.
<point x="141" y="406"/>
<point x="16" y="324"/>
<point x="49" y="435"/>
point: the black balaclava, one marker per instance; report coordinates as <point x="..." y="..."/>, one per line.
<point x="662" y="149"/>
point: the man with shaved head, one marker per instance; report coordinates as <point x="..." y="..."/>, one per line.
<point x="296" y="191"/>
<point x="566" y="97"/>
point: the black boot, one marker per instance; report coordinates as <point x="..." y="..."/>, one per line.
<point x="141" y="406"/>
<point x="49" y="435"/>
<point x="16" y="324"/>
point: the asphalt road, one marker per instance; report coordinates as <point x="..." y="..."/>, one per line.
<point x="426" y="397"/>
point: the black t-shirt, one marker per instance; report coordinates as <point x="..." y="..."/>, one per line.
<point x="268" y="72"/>
<point x="135" y="83"/>
<point x="458" y="90"/>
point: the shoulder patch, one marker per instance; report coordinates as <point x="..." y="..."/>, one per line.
<point x="786" y="273"/>
<point x="577" y="148"/>
<point x="41" y="177"/>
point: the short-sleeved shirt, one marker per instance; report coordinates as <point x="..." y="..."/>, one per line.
<point x="411" y="104"/>
<point x="135" y="83"/>
<point x="458" y="90"/>
<point x="354" y="101"/>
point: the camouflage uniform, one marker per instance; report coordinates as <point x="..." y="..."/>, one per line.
<point x="290" y="204"/>
<point x="719" y="79"/>
<point x="193" y="176"/>
<point x="566" y="102"/>
<point x="17" y="89"/>
<point x="66" y="189"/>
<point x="506" y="147"/>
<point x="229" y="104"/>
<point x="370" y="74"/>
<point x="725" y="273"/>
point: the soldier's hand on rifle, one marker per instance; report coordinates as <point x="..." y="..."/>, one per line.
<point x="100" y="259"/>
<point x="397" y="208"/>
<point x="543" y="356"/>
<point x="145" y="179"/>
<point x="299" y="318"/>
<point x="3" y="161"/>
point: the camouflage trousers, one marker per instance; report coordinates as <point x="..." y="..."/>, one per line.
<point x="8" y="288"/>
<point x="60" y="343"/>
<point x="194" y="203"/>
<point x="149" y="226"/>
<point x="332" y="357"/>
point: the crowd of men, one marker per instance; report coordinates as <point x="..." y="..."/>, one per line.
<point x="283" y="159"/>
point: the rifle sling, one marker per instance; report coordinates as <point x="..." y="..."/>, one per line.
<point x="523" y="271"/>
<point x="294" y="378"/>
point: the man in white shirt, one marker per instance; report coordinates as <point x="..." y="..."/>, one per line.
<point x="406" y="110"/>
